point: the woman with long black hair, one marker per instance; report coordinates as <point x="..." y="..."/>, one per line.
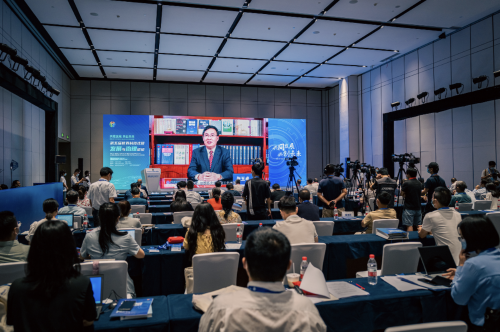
<point x="53" y="296"/>
<point x="227" y="215"/>
<point x="180" y="204"/>
<point x="215" y="201"/>
<point x="108" y="242"/>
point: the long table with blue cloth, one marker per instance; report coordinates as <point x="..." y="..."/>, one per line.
<point x="384" y="307"/>
<point x="163" y="272"/>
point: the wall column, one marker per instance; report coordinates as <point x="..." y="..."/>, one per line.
<point x="348" y="118"/>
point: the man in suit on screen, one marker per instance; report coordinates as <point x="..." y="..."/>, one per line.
<point x="210" y="162"/>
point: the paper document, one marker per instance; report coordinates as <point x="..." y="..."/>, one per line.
<point x="233" y="246"/>
<point x="314" y="282"/>
<point x="414" y="280"/>
<point x="401" y="285"/>
<point x="342" y="289"/>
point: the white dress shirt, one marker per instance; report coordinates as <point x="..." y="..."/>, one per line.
<point x="297" y="229"/>
<point x="443" y="224"/>
<point x="74" y="180"/>
<point x="100" y="192"/>
<point x="273" y="310"/>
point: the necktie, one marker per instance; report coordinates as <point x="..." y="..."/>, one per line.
<point x="211" y="158"/>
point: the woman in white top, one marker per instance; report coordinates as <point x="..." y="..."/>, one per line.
<point x="108" y="243"/>
<point x="62" y="179"/>
<point x="492" y="195"/>
<point x="125" y="221"/>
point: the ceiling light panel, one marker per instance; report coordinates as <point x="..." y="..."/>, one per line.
<point x="292" y="6"/>
<point x="122" y="40"/>
<point x="53" y="12"/>
<point x="225" y="3"/>
<point x="335" y="33"/>
<point x="458" y="13"/>
<point x="400" y="39"/>
<point x="269" y="27"/>
<point x="336" y="71"/>
<point x="361" y="57"/>
<point x="313" y="82"/>
<point x="183" y="62"/>
<point x="117" y="15"/>
<point x="370" y="10"/>
<point x="79" y="57"/>
<point x="271" y="80"/>
<point x="179" y="75"/>
<point x="237" y="65"/>
<point x="287" y="68"/>
<point x="126" y="59"/>
<point x="88" y="71"/>
<point x="251" y="49"/>
<point x="309" y="53"/>
<point x="189" y="45"/>
<point x="129" y="73"/>
<point x="208" y="22"/>
<point x="228" y="78"/>
<point x="67" y="37"/>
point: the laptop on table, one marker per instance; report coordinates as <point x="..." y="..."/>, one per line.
<point x="68" y="217"/>
<point x="97" y="285"/>
<point x="436" y="260"/>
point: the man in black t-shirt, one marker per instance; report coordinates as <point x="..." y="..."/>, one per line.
<point x="384" y="183"/>
<point x="277" y="193"/>
<point x="331" y="192"/>
<point x="260" y="195"/>
<point x="431" y="184"/>
<point x="411" y="189"/>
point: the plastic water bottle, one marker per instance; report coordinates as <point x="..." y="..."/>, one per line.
<point x="303" y="267"/>
<point x="137" y="216"/>
<point x="336" y="213"/>
<point x="498" y="204"/>
<point x="456" y="205"/>
<point x="367" y="210"/>
<point x="85" y="222"/>
<point x="395" y="200"/>
<point x="372" y="270"/>
<point x="260" y="226"/>
<point x="239" y="234"/>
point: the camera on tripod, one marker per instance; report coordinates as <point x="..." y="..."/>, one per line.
<point x="368" y="169"/>
<point x="292" y="162"/>
<point x="406" y="158"/>
<point x="355" y="165"/>
<point x="338" y="169"/>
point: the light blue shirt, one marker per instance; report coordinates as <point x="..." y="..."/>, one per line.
<point x="477" y="285"/>
<point x="76" y="210"/>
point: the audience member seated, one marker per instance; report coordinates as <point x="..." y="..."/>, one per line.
<point x="128" y="193"/>
<point x="181" y="204"/>
<point x="125" y="221"/>
<point x="142" y="187"/>
<point x="311" y="187"/>
<point x="72" y="197"/>
<point x="306" y="209"/>
<point x="480" y="189"/>
<point x="136" y="198"/>
<point x="383" y="212"/>
<point x="492" y="195"/>
<point x="269" y="184"/>
<point x="191" y="195"/>
<point x="109" y="243"/>
<point x="476" y="280"/>
<point x="10" y="249"/>
<point x="296" y="229"/>
<point x="230" y="188"/>
<point x="50" y="207"/>
<point x="264" y="305"/>
<point x="15" y="184"/>
<point x="238" y="186"/>
<point x="83" y="199"/>
<point x="460" y="195"/>
<point x="227" y="215"/>
<point x="218" y="185"/>
<point x="4" y="186"/>
<point x="181" y="186"/>
<point x="453" y="184"/>
<point x="53" y="296"/>
<point x="215" y="201"/>
<point x="443" y="222"/>
<point x="277" y="193"/>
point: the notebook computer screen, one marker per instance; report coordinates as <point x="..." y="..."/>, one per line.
<point x="131" y="232"/>
<point x="96" y="282"/>
<point x="436" y="259"/>
<point x="66" y="217"/>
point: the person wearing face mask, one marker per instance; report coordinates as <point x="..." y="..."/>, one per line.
<point x="74" y="178"/>
<point x="431" y="184"/>
<point x="442" y="223"/>
<point x="62" y="179"/>
<point x="476" y="279"/>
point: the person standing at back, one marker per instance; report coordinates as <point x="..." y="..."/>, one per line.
<point x="384" y="184"/>
<point x="74" y="178"/>
<point x="306" y="209"/>
<point x="411" y="189"/>
<point x="490" y="174"/>
<point x="431" y="184"/>
<point x="311" y="187"/>
<point x="256" y="194"/>
<point x="331" y="191"/>
<point x="101" y="192"/>
<point x="62" y="179"/>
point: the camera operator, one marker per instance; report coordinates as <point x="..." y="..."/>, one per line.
<point x="411" y="189"/>
<point x="384" y="184"/>
<point x="431" y="184"/>
<point x="331" y="191"/>
<point x="490" y="173"/>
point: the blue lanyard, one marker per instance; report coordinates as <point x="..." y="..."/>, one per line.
<point x="262" y="290"/>
<point x="71" y="204"/>
<point x="444" y="208"/>
<point x="383" y="209"/>
<point x="305" y="201"/>
<point x="103" y="180"/>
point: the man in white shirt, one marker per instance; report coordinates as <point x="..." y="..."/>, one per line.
<point x="316" y="183"/>
<point x="74" y="178"/>
<point x="101" y="192"/>
<point x="443" y="223"/>
<point x="295" y="228"/>
<point x="238" y="186"/>
<point x="191" y="195"/>
<point x="72" y="197"/>
<point x="311" y="187"/>
<point x="86" y="179"/>
<point x="264" y="305"/>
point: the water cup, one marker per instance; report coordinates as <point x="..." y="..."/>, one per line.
<point x="292" y="277"/>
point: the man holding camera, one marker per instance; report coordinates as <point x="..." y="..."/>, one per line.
<point x="384" y="184"/>
<point x="490" y="173"/>
<point x="331" y="191"/>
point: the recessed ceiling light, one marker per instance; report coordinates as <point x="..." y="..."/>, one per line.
<point x="353" y="1"/>
<point x="114" y="72"/>
<point x="94" y="14"/>
<point x="109" y="59"/>
<point x="273" y="67"/>
<point x="398" y="6"/>
<point x="315" y="32"/>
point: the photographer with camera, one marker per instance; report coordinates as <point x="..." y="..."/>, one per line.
<point x="431" y="184"/>
<point x="332" y="190"/>
<point x="411" y="189"/>
<point x="490" y="173"/>
<point x="384" y="184"/>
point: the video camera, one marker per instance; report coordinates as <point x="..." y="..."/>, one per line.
<point x="368" y="169"/>
<point x="354" y="165"/>
<point x="406" y="158"/>
<point x="292" y="162"/>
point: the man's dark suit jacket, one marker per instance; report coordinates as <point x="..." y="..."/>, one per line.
<point x="221" y="163"/>
<point x="308" y="211"/>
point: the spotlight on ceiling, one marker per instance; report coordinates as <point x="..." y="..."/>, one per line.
<point x="439" y="92"/>
<point x="422" y="95"/>
<point x="410" y="101"/>
<point x="6" y="50"/>
<point x="395" y="104"/>
<point x="17" y="62"/>
<point x="457" y="86"/>
<point x="479" y="81"/>
<point x="442" y="36"/>
<point x="496" y="74"/>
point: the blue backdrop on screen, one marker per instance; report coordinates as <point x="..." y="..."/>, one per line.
<point x="125" y="147"/>
<point x="287" y="138"/>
